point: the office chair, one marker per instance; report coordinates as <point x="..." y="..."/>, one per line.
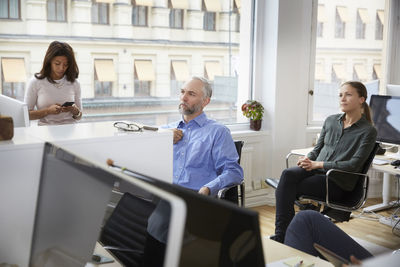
<point x="352" y="200"/>
<point x="124" y="233"/>
<point x="234" y="193"/>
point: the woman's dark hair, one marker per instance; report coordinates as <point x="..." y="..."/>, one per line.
<point x="362" y="92"/>
<point x="59" y="49"/>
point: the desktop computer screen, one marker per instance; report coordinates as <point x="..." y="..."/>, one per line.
<point x="72" y="200"/>
<point x="217" y="232"/>
<point x="386" y="117"/>
<point x="16" y="109"/>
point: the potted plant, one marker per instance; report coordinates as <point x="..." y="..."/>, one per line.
<point x="254" y="111"/>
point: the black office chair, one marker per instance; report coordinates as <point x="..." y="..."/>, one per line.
<point x="235" y="193"/>
<point x="352" y="200"/>
<point x="124" y="233"/>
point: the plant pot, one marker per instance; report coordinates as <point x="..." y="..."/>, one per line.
<point x="255" y="125"/>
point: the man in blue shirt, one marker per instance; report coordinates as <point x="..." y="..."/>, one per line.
<point x="205" y="157"/>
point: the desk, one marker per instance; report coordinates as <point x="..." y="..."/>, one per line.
<point x="20" y="163"/>
<point x="387" y="170"/>
<point x="273" y="251"/>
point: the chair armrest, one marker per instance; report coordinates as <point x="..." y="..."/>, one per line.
<point x="222" y="191"/>
<point x="328" y="176"/>
<point x="288" y="156"/>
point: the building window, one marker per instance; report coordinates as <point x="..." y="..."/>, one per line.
<point x="321" y="18"/>
<point x="379" y="25"/>
<point x="56" y="10"/>
<point x="320" y="29"/>
<point x="9" y="9"/>
<point x="209" y="19"/>
<point x="176" y="18"/>
<point x="143" y="76"/>
<point x="236" y="11"/>
<point x="104" y="75"/>
<point x="179" y="74"/>
<point x="362" y="17"/>
<point x="100" y="13"/>
<point x="139" y="15"/>
<point x="13" y="77"/>
<point x="340" y="24"/>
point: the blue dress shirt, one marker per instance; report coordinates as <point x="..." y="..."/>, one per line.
<point x="205" y="156"/>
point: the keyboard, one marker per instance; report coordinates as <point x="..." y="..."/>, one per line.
<point x="380" y="161"/>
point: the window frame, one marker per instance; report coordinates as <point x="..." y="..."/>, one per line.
<point x="98" y="14"/>
<point x="340" y="26"/>
<point x="360" y="27"/>
<point x="55" y="11"/>
<point x="140" y="9"/>
<point x="8" y="11"/>
<point x="207" y="16"/>
<point x="378" y="28"/>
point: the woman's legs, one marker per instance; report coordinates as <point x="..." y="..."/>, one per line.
<point x="286" y="194"/>
<point x="309" y="227"/>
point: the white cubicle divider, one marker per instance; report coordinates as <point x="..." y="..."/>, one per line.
<point x="393" y="89"/>
<point x="20" y="162"/>
<point x="16" y="109"/>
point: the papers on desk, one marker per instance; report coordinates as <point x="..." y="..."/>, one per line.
<point x="380" y="161"/>
<point x="292" y="262"/>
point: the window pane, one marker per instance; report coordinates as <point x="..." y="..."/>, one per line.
<point x="60" y="10"/>
<point x="95" y="12"/>
<point x="3" y="8"/>
<point x="341" y="57"/>
<point x="51" y="10"/>
<point x="103" y="13"/>
<point x="14" y="9"/>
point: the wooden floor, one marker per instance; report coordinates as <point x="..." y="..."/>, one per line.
<point x="369" y="230"/>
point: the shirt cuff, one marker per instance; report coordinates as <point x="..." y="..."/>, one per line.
<point x="213" y="188"/>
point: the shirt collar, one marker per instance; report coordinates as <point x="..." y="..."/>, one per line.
<point x="199" y="120"/>
<point x="363" y="119"/>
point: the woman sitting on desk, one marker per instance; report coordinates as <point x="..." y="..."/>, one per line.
<point x="54" y="90"/>
<point x="345" y="142"/>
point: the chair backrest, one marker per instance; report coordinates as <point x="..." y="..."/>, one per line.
<point x="370" y="158"/>
<point x="127" y="228"/>
<point x="235" y="193"/>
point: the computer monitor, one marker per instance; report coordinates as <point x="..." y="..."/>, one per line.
<point x="386" y="117"/>
<point x="16" y="109"/>
<point x="72" y="200"/>
<point x="393" y="90"/>
<point x="217" y="232"/>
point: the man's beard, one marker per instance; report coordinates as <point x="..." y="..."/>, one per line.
<point x="189" y="110"/>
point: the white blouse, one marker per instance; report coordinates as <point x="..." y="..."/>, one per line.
<point x="42" y="94"/>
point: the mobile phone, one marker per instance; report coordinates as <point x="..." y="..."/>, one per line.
<point x="332" y="257"/>
<point x="67" y="104"/>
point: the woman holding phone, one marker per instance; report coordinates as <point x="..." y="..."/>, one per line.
<point x="54" y="95"/>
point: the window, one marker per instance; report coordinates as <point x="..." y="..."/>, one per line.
<point x="362" y="20"/>
<point x="176" y="13"/>
<point x="210" y="8"/>
<point x="377" y="73"/>
<point x="9" y="9"/>
<point x="104" y="75"/>
<point x="379" y="25"/>
<point x="139" y="14"/>
<point x="143" y="75"/>
<point x="100" y="13"/>
<point x="344" y="58"/>
<point x="340" y="22"/>
<point x="13" y="77"/>
<point x="56" y="10"/>
<point x="321" y="18"/>
<point x="179" y="75"/>
<point x="236" y="11"/>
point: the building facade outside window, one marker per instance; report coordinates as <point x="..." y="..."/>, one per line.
<point x="13" y="77"/>
<point x="176" y="18"/>
<point x="139" y="15"/>
<point x="335" y="58"/>
<point x="56" y="10"/>
<point x="340" y="25"/>
<point x="361" y="23"/>
<point x="209" y="18"/>
<point x="9" y="9"/>
<point x="100" y="13"/>
<point x="379" y="25"/>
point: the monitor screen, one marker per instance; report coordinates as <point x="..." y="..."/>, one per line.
<point x="217" y="232"/>
<point x="386" y="117"/>
<point x="73" y="197"/>
<point x="16" y="109"/>
<point x="393" y="90"/>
